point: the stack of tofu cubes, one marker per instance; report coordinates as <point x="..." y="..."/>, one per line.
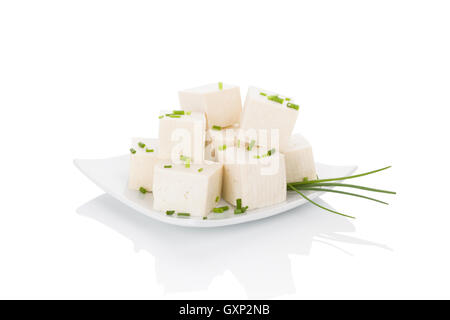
<point x="212" y="148"/>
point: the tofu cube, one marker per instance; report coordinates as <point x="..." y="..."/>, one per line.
<point x="299" y="160"/>
<point x="190" y="190"/>
<point x="182" y="134"/>
<point x="271" y="115"/>
<point x="143" y="158"/>
<point x="222" y="106"/>
<point x="254" y="177"/>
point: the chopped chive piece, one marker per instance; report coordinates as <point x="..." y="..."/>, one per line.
<point x="218" y="210"/>
<point x="183" y="214"/>
<point x="292" y="106"/>
<point x="160" y="117"/>
<point x="220" y="85"/>
<point x="217" y="128"/>
<point x="240" y="210"/>
<point x="182" y="158"/>
<point x="204" y="218"/>
<point x="257" y="157"/>
<point x="178" y="112"/>
<point x="189" y="113"/>
<point x="200" y="170"/>
<point x="271" y="152"/>
<point x="149" y="150"/>
<point x="168" y="166"/>
<point x="224" y="208"/>
<point x="222" y="148"/>
<point x="263" y="94"/>
<point x="174" y="116"/>
<point x="187" y="164"/>
<point x="239" y="143"/>
<point x="217" y="199"/>
<point x="141" y="144"/>
<point x="251" y="145"/>
<point x="143" y="190"/>
<point x="288" y="99"/>
<point x="239" y="203"/>
<point x="275" y="99"/>
<point x="170" y="212"/>
<point x="132" y="151"/>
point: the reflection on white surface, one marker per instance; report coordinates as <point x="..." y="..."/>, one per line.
<point x="187" y="259"/>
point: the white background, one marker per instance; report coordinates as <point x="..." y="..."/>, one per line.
<point x="78" y="79"/>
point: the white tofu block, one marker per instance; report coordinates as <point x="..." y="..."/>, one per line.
<point x="260" y="114"/>
<point x="258" y="182"/>
<point x="299" y="160"/>
<point x="186" y="189"/>
<point x="222" y="106"/>
<point x="182" y="135"/>
<point x="142" y="163"/>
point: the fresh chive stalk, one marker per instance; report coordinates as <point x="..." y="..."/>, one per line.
<point x="216" y="127"/>
<point x="167" y="166"/>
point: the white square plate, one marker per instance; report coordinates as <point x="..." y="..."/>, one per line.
<point x="111" y="175"/>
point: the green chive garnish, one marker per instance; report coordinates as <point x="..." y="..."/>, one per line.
<point x="292" y="106"/>
<point x="239" y="203"/>
<point x="239" y="143"/>
<point x="141" y="144"/>
<point x="200" y="170"/>
<point x="143" y="190"/>
<point x="188" y="113"/>
<point x="240" y="210"/>
<point x="217" y="199"/>
<point x="271" y="152"/>
<point x="220" y="85"/>
<point x="174" y="116"/>
<point x="224" y="208"/>
<point x="250" y="146"/>
<point x="275" y="99"/>
<point x="257" y="157"/>
<point x="222" y="148"/>
<point x="218" y="210"/>
<point x="149" y="150"/>
<point x="160" y="117"/>
<point x="168" y="166"/>
<point x="183" y="214"/>
<point x="288" y="99"/>
<point x="187" y="164"/>
<point x="170" y="212"/>
<point x="263" y="94"/>
<point x="217" y="128"/>
<point x="132" y="151"/>
<point x="204" y="218"/>
<point x="178" y="112"/>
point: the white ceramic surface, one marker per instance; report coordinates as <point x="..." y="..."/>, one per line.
<point x="111" y="175"/>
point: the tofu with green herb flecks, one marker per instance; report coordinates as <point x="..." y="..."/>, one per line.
<point x="299" y="160"/>
<point x="143" y="157"/>
<point x="191" y="189"/>
<point x="182" y="134"/>
<point x="221" y="103"/>
<point x="222" y="139"/>
<point x="257" y="177"/>
<point x="265" y="110"/>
